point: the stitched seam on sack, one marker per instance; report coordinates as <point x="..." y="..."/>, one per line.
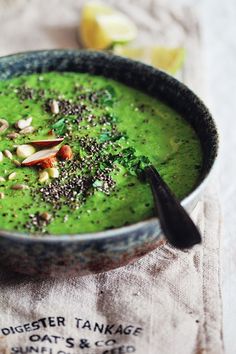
<point x="203" y="334"/>
<point x="205" y="327"/>
<point x="206" y="324"/>
<point x="219" y="229"/>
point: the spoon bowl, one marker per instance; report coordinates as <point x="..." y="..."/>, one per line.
<point x="178" y="227"/>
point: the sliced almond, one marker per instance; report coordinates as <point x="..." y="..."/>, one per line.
<point x="46" y="143"/>
<point x="39" y="157"/>
<point x="2" y="195"/>
<point x="23" y="123"/>
<point x="8" y="154"/>
<point x="65" y="152"/>
<point x="25" y="150"/>
<point x="2" y="179"/>
<point x="1" y="156"/>
<point x="48" y="163"/>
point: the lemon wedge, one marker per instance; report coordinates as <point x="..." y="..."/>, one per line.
<point x="137" y="53"/>
<point x="170" y="60"/>
<point x="102" y="27"/>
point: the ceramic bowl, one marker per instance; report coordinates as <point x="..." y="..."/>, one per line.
<point x="102" y="251"/>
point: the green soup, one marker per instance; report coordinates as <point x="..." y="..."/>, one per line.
<point x="114" y="131"/>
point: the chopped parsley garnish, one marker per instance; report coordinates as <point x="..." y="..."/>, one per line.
<point x="108" y="95"/>
<point x="59" y="127"/>
<point x="134" y="164"/>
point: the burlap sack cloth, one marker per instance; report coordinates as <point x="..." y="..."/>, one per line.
<point x="168" y="302"/>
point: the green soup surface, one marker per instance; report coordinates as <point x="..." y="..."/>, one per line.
<point x="114" y="131"/>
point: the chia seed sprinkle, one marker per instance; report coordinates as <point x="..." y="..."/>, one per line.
<point x="25" y="93"/>
<point x="95" y="156"/>
<point x="37" y="222"/>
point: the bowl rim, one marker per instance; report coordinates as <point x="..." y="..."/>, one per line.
<point x="132" y="228"/>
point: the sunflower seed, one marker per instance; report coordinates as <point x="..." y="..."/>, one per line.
<point x="12" y="176"/>
<point x="16" y="163"/>
<point x="3" y="125"/>
<point x="13" y="135"/>
<point x="8" y="154"/>
<point x="54" y="107"/>
<point x="27" y="130"/>
<point x="19" y="187"/>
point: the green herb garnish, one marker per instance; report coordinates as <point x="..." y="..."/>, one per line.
<point x="108" y="96"/>
<point x="134" y="164"/>
<point x="59" y="127"/>
<point x="106" y="136"/>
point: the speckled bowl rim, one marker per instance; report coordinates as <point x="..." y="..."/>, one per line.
<point x="133" y="227"/>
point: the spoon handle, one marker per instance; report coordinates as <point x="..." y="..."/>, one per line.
<point x="176" y="224"/>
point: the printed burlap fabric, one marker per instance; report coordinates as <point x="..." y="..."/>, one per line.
<point x="168" y="302"/>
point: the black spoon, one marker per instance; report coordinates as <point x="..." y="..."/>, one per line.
<point x="176" y="224"/>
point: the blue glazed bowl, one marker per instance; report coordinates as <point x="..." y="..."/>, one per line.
<point x="102" y="251"/>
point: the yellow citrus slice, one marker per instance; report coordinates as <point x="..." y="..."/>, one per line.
<point x="137" y="53"/>
<point x="102" y="27"/>
<point x="170" y="60"/>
